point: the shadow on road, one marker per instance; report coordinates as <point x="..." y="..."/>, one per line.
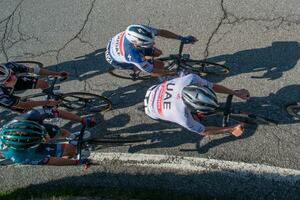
<point x="84" y="67"/>
<point x="271" y="61"/>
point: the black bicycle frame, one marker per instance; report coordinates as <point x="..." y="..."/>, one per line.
<point x="227" y="111"/>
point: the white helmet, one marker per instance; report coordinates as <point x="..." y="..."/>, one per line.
<point x="4" y="73"/>
<point x="139" y="35"/>
<point x="200" y="99"/>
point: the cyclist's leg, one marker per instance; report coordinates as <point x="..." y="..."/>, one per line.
<point x="69" y="151"/>
<point x="64" y="133"/>
<point x="57" y="150"/>
<point x="41" y="84"/>
<point x="69" y="116"/>
<point x="156" y="52"/>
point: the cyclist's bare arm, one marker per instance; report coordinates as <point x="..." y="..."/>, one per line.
<point x="69" y="116"/>
<point x="162" y="72"/>
<point x="236" y="130"/>
<point x="243" y="93"/>
<point x="45" y="72"/>
<point x="167" y="34"/>
<point x="32" y="104"/>
<point x="58" y="161"/>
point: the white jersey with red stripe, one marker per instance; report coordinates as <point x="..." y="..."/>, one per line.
<point x="165" y="102"/>
<point x="122" y="54"/>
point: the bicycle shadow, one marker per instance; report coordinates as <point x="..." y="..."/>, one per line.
<point x="84" y="67"/>
<point x="271" y="106"/>
<point x="271" y="61"/>
<point x="103" y="126"/>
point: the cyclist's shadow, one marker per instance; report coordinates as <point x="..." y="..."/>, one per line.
<point x="271" y="106"/>
<point x="270" y="62"/>
<point x="84" y="67"/>
<point x="130" y="95"/>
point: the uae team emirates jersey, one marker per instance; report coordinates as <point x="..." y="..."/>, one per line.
<point x="165" y="102"/>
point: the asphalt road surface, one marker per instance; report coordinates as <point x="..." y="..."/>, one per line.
<point x="258" y="40"/>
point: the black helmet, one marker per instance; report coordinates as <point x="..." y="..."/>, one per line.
<point x="200" y="99"/>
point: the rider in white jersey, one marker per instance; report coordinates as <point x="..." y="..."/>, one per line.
<point x="166" y="102"/>
<point x="134" y="49"/>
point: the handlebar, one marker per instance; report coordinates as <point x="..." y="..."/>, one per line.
<point x="49" y="90"/>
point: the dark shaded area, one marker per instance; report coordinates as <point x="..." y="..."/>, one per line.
<point x="271" y="61"/>
<point x="220" y="185"/>
<point x="84" y="67"/>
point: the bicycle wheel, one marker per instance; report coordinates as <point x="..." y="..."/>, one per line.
<point x="293" y="109"/>
<point x="86" y="101"/>
<point x="204" y="68"/>
<point x="252" y="119"/>
<point x="118" y="139"/>
<point x="129" y="74"/>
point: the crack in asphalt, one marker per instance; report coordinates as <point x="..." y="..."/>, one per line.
<point x="78" y="35"/>
<point x="225" y="19"/>
<point x="206" y="51"/>
<point x="8" y="39"/>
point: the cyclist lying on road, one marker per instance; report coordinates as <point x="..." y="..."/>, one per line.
<point x="26" y="139"/>
<point x="134" y="49"/>
<point x="11" y="80"/>
<point x="186" y="100"/>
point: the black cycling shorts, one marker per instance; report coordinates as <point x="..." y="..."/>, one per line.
<point x="25" y="83"/>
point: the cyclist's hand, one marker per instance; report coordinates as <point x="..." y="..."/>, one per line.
<point x="89" y="121"/>
<point x="243" y="94"/>
<point x="53" y="103"/>
<point x="83" y="161"/>
<point x="188" y="39"/>
<point x="237" y="130"/>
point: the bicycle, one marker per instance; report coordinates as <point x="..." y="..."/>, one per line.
<point x="176" y="61"/>
<point x="293" y="109"/>
<point x="79" y="101"/>
<point x="91" y="143"/>
<point x="230" y="113"/>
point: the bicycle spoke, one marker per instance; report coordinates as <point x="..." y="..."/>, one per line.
<point x="205" y="68"/>
<point x="86" y="101"/>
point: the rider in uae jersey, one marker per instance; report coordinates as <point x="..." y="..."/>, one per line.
<point x="122" y="54"/>
<point x="165" y="102"/>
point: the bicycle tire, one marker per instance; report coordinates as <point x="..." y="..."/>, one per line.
<point x="204" y="68"/>
<point x="293" y="109"/>
<point x="83" y="101"/>
<point x="118" y="139"/>
<point x="252" y="119"/>
<point x="125" y="74"/>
